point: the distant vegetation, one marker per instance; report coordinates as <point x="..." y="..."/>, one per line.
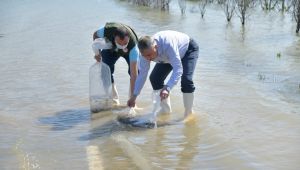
<point x="162" y="4"/>
<point x="242" y="8"/>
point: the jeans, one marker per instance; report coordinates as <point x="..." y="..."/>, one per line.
<point x="110" y="58"/>
<point x="161" y="70"/>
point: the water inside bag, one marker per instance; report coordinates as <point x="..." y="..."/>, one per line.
<point x="100" y="87"/>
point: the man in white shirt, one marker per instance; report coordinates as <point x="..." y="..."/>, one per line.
<point x="171" y="50"/>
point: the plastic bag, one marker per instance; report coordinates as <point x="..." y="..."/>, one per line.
<point x="100" y="87"/>
<point x="146" y="120"/>
<point x="125" y="112"/>
<point x="101" y="43"/>
<point x="156" y="104"/>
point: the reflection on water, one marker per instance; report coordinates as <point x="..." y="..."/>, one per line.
<point x="145" y="149"/>
<point x="67" y="119"/>
<point x="104" y="126"/>
<point x="247" y="97"/>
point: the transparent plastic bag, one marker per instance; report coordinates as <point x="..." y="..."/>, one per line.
<point x="125" y="113"/>
<point x="100" y="87"/>
<point x="155" y="104"/>
<point x="148" y="120"/>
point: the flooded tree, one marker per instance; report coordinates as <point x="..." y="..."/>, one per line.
<point x="228" y="7"/>
<point x="243" y="9"/>
<point x="162" y="4"/>
<point x="219" y="1"/>
<point x="282" y="5"/>
<point x="141" y="2"/>
<point x="202" y="6"/>
<point x="182" y="5"/>
<point x="268" y="4"/>
<point x="285" y="5"/>
<point x="296" y="13"/>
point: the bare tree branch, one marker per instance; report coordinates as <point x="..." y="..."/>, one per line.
<point x="243" y="8"/>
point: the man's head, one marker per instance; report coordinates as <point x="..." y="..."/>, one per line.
<point x="147" y="47"/>
<point x="121" y="37"/>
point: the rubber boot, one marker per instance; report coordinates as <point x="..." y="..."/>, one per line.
<point x="115" y="95"/>
<point x="188" y="100"/>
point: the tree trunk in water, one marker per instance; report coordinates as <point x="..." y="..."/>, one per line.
<point x="298" y="16"/>
<point x="243" y="16"/>
<point x="283" y="6"/>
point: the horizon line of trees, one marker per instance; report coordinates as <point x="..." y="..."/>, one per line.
<point x="242" y="8"/>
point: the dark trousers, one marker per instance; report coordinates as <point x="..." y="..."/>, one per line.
<point x="110" y="58"/>
<point x="161" y="70"/>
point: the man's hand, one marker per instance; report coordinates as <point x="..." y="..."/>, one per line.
<point x="98" y="57"/>
<point x="164" y="93"/>
<point x="131" y="101"/>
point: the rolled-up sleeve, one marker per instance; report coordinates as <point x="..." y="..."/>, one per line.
<point x="100" y="32"/>
<point x="134" y="54"/>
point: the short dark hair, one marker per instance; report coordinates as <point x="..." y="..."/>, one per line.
<point x="121" y="32"/>
<point x="145" y="42"/>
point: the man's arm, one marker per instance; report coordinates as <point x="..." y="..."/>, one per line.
<point x="100" y="43"/>
<point x="133" y="76"/>
<point x="140" y="80"/>
<point x="175" y="61"/>
<point x="133" y="58"/>
<point x="95" y="35"/>
<point x="99" y="33"/>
